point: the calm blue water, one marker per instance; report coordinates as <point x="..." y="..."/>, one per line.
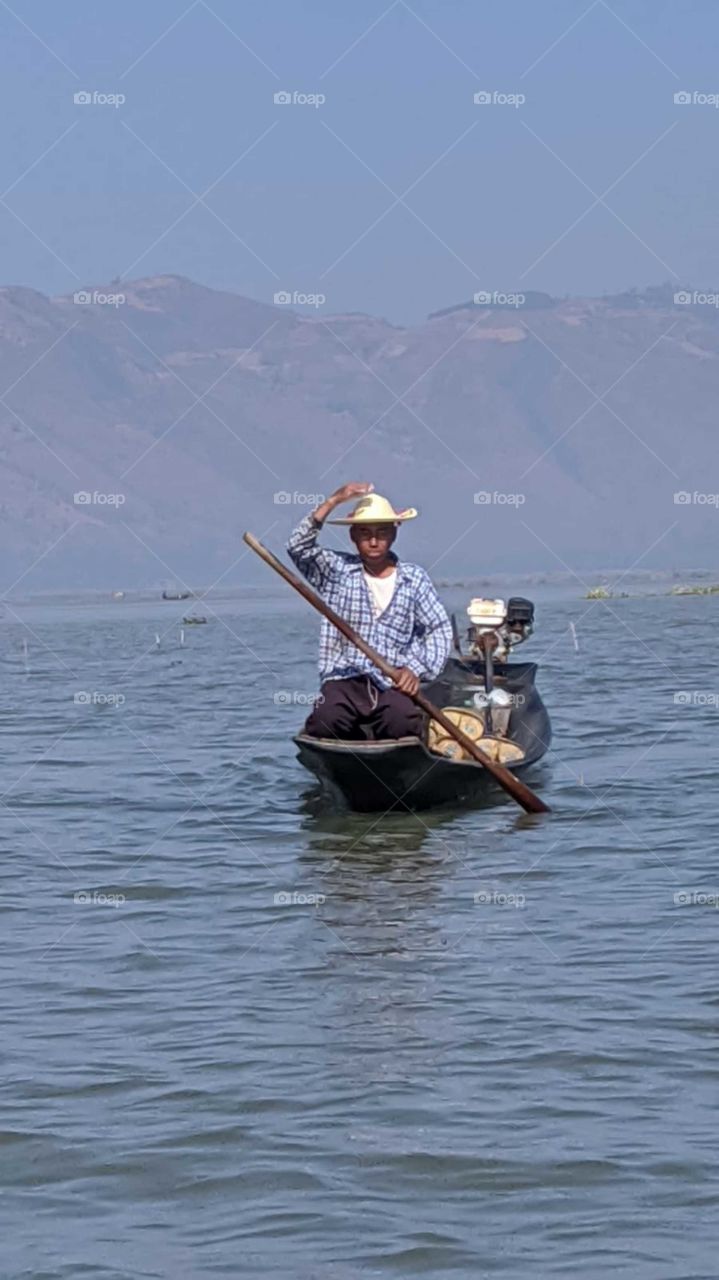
<point x="200" y="1080"/>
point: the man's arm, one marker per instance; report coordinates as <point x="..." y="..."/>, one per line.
<point x="316" y="563"/>
<point x="345" y="493"/>
<point x="431" y="647"/>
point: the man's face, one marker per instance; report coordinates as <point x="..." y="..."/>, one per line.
<point x="373" y="541"/>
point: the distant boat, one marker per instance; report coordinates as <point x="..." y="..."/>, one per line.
<point x="176" y="595"/>
<point x="194" y="620"/>
<point x="118" y="595"/>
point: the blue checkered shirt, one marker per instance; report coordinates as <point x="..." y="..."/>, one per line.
<point x="413" y="631"/>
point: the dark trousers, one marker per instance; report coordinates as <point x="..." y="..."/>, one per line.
<point x="357" y="708"/>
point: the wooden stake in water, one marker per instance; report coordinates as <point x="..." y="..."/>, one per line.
<point x="182" y="637"/>
<point x="25" y="656"/>
<point x="573" y="630"/>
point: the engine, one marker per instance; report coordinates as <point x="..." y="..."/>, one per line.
<point x="498" y="625"/>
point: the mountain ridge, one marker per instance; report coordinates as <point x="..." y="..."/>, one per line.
<point x="575" y="420"/>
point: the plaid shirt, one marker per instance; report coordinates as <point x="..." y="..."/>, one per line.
<point x="413" y="631"/>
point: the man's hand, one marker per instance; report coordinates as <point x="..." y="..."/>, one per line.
<point x="407" y="681"/>
<point x="345" y="493"/>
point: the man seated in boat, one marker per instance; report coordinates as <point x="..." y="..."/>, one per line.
<point x="391" y="604"/>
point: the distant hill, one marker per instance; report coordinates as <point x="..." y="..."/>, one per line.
<point x="197" y="407"/>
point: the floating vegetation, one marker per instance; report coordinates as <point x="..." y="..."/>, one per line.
<point x="603" y="593"/>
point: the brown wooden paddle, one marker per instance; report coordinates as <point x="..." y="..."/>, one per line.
<point x="516" y="789"/>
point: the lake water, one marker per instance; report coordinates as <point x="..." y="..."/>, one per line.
<point x="396" y="1081"/>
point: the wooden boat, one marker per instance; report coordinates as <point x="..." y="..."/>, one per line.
<point x="405" y="774"/>
<point x="176" y="595"/>
<point x="492" y="700"/>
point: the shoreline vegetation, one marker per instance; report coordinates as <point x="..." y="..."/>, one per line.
<point x="647" y="584"/>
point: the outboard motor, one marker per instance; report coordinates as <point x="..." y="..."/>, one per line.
<point x="495" y="629"/>
<point x="504" y="625"/>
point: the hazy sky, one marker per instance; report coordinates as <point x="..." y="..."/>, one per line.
<point x="399" y="194"/>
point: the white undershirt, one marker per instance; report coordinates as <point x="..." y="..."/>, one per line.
<point x="381" y="591"/>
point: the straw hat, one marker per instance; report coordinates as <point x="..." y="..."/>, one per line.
<point x="374" y="509"/>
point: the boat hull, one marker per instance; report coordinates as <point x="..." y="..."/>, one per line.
<point x="403" y="774"/>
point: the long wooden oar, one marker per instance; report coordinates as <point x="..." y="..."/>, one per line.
<point x="516" y="789"/>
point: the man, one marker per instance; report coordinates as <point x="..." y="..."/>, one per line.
<point x="392" y="605"/>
